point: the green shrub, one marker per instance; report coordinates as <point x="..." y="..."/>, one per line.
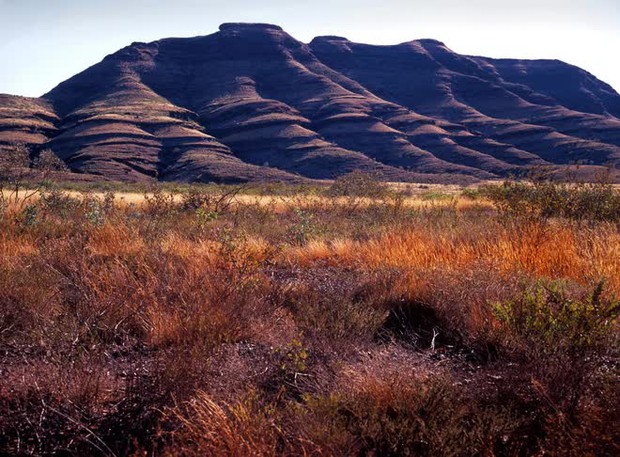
<point x="546" y="320"/>
<point x="159" y="204"/>
<point x="471" y="194"/>
<point x="304" y="228"/>
<point x="210" y="200"/>
<point x="55" y="201"/>
<point x="359" y="184"/>
<point x="434" y="195"/>
<point x="544" y="199"/>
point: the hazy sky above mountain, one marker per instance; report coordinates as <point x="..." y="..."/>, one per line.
<point x="43" y="42"/>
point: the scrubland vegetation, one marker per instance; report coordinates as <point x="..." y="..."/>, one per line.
<point x="351" y="319"/>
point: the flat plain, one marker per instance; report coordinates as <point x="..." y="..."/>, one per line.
<point x="344" y="318"/>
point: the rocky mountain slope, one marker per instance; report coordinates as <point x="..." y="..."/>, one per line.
<point x="250" y="102"/>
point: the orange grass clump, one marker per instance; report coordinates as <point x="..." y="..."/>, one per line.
<point x="557" y="251"/>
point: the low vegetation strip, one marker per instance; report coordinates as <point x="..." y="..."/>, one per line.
<point x="336" y="321"/>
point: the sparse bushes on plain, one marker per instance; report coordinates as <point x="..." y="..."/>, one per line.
<point x="299" y="325"/>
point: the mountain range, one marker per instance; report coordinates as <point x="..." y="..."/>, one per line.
<point x="251" y="102"/>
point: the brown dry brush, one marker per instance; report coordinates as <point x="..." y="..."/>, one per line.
<point x="203" y="325"/>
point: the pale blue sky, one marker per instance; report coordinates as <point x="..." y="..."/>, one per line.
<point x="43" y="42"/>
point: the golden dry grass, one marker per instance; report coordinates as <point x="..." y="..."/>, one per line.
<point x="558" y="251"/>
<point x="439" y="196"/>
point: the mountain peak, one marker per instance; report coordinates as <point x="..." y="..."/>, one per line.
<point x="430" y="42"/>
<point x="330" y="38"/>
<point x="249" y="27"/>
<point x="331" y="41"/>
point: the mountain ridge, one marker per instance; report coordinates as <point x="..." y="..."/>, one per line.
<point x="250" y="102"/>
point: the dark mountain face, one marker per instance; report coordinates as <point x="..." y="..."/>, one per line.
<point x="252" y="103"/>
